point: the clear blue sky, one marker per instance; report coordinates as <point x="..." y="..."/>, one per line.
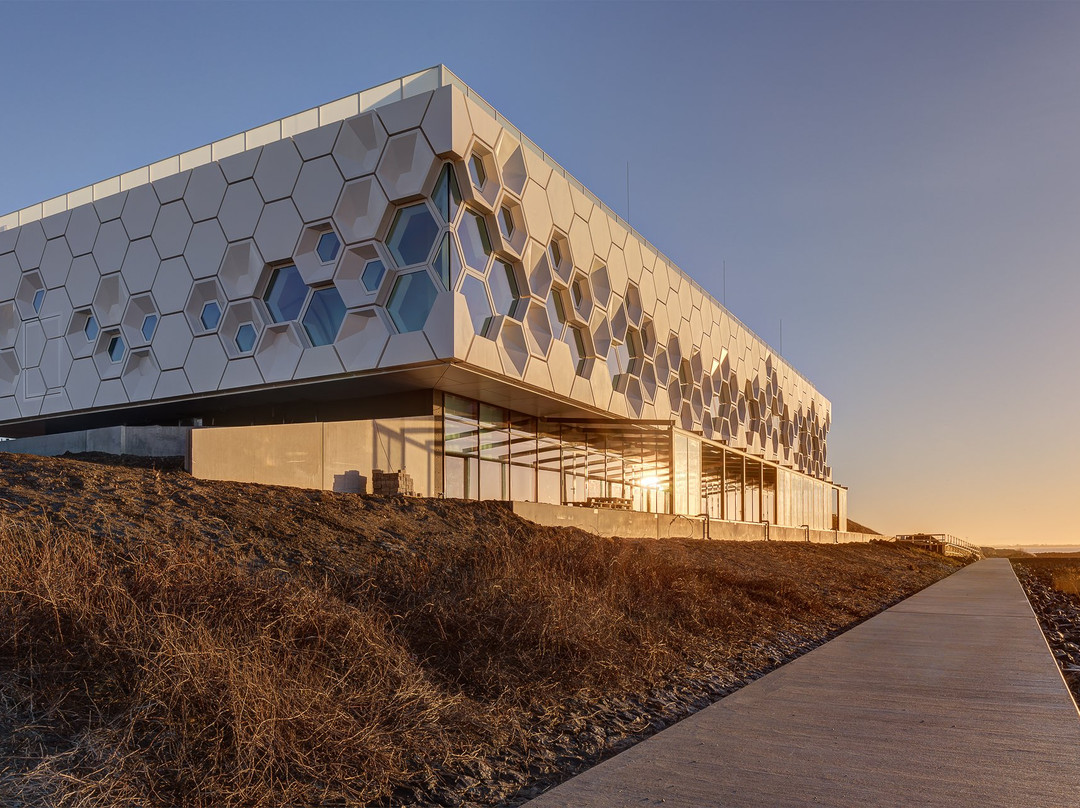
<point x="899" y="183"/>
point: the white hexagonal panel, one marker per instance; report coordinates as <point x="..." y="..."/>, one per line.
<point x="205" y="192"/>
<point x="317" y="189"/>
<point x="172" y="340"/>
<point x="30" y="245"/>
<point x="171" y="230"/>
<point x="55" y="263"/>
<point x="205" y="249"/>
<point x="140" y="375"/>
<point x="205" y="364"/>
<point x="405" y="165"/>
<point x="279" y="227"/>
<point x="361" y="210"/>
<point x="239" y="212"/>
<point x="278" y="352"/>
<point x="140" y="265"/>
<point x="140" y="211"/>
<point x="361" y="341"/>
<point x="110" y="247"/>
<point x="172" y="285"/>
<point x="359" y="144"/>
<point x="278" y="168"/>
<point x="82" y="229"/>
<point x="241" y="269"/>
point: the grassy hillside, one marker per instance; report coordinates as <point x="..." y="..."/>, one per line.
<point x="169" y="641"/>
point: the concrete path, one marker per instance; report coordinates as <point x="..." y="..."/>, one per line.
<point x="951" y="698"/>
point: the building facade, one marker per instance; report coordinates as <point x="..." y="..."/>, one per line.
<point x="406" y="261"/>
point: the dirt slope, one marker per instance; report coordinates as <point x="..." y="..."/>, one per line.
<point x="165" y="640"/>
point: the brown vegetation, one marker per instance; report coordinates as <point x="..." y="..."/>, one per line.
<point x="168" y="641"/>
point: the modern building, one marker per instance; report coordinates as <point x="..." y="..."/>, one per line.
<point x="400" y="278"/>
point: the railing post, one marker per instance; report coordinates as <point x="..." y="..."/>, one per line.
<point x="807" y="529"/>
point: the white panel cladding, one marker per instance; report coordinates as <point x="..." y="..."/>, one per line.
<point x="531" y="279"/>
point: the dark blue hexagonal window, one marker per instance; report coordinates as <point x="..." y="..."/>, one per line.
<point x="411" y="301"/>
<point x="91" y="328"/>
<point x="210" y="315"/>
<point x="328" y="247"/>
<point x="39" y="298"/>
<point x="285" y="294"/>
<point x="245" y="337"/>
<point x="116" y="349"/>
<point x="149" y="325"/>
<point x="324" y="315"/>
<point x="373" y="274"/>
<point x="412" y="235"/>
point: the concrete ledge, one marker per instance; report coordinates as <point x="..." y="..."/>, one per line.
<point x="638" y="525"/>
<point x="142" y="441"/>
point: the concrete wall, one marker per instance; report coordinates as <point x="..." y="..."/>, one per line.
<point x="145" y="441"/>
<point x="634" y="525"/>
<point x="333" y="455"/>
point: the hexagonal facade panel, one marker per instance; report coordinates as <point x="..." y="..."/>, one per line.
<point x="406" y="161"/>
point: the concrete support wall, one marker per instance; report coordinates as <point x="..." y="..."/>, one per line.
<point x="332" y="455"/>
<point x="144" y="441"/>
<point x="634" y="525"/>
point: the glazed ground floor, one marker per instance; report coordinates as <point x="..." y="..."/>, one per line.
<point x="461" y="447"/>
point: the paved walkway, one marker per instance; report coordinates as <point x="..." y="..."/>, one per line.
<point x="951" y="698"/>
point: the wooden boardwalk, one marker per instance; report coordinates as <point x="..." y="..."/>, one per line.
<point x="950" y="698"/>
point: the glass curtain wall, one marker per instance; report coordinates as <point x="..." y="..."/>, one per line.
<point x="493" y="453"/>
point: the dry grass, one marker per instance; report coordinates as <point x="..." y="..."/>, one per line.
<point x="174" y="677"/>
<point x="1067" y="580"/>
<point x="343" y="659"/>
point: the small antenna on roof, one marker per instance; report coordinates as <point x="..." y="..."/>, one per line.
<point x="725" y="283"/>
<point x="628" y="192"/>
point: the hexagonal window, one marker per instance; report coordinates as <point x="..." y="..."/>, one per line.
<point x="372" y="275"/>
<point x="556" y="309"/>
<point x="412" y="235"/>
<point x="477" y="173"/>
<point x="116" y="349"/>
<point x="210" y="315"/>
<point x="480" y="311"/>
<point x="328" y="246"/>
<point x="506" y="222"/>
<point x="149" y="326"/>
<point x="91" y="328"/>
<point x="554" y="253"/>
<point x="447" y="262"/>
<point x="578" y="350"/>
<point x="411" y="300"/>
<point x="581" y="296"/>
<point x="324" y="315"/>
<point x="475" y="240"/>
<point x="245" y="337"/>
<point x="558" y="250"/>
<point x="506" y="289"/>
<point x="447" y="194"/>
<point x="39" y="298"/>
<point x="285" y="294"/>
<point x="616" y="360"/>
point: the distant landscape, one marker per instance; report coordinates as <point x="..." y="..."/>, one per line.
<point x="167" y="641"/>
